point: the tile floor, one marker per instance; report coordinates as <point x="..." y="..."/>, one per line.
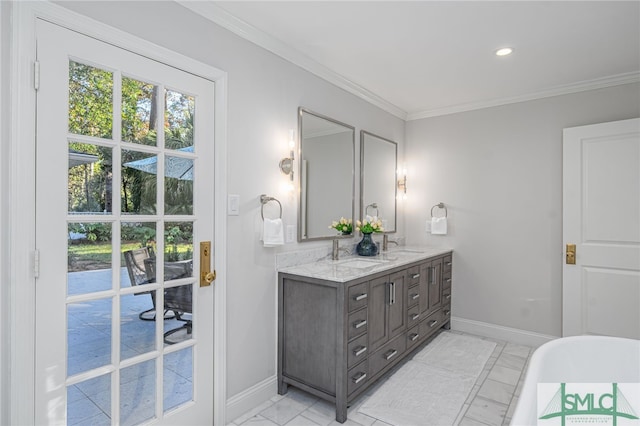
<point x="491" y="402"/>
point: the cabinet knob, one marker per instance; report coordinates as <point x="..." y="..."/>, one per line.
<point x="415" y="276"/>
<point x="433" y="323"/>
<point x="414" y="337"/>
<point x="360" y="297"/>
<point x="415" y="317"/>
<point x="415" y="296"/>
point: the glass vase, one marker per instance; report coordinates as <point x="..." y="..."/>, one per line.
<point x="367" y="247"/>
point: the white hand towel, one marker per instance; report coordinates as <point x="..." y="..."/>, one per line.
<point x="273" y="233"/>
<point x="439" y="226"/>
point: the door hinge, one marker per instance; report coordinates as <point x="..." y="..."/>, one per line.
<point x="36" y="264"/>
<point x="36" y="75"/>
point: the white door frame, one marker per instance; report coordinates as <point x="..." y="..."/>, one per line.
<point x="21" y="193"/>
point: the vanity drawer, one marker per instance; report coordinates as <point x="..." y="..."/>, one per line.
<point x="413" y="337"/>
<point x="447" y="263"/>
<point x="358" y="296"/>
<point x="358" y="323"/>
<point x="413" y="276"/>
<point x="357" y="351"/>
<point x="446" y="296"/>
<point x="414" y="316"/>
<point x="446" y="313"/>
<point x="446" y="279"/>
<point x="431" y="324"/>
<point x="387" y="354"/>
<point x="358" y="376"/>
<point x="414" y="296"/>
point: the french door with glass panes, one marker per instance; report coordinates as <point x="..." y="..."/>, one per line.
<point x="124" y="331"/>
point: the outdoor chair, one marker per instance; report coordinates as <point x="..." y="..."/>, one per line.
<point x="177" y="299"/>
<point x="140" y="273"/>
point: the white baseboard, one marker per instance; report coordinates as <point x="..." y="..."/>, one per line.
<point x="251" y="398"/>
<point x="513" y="335"/>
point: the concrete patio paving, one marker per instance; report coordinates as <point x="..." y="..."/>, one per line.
<point x="89" y="328"/>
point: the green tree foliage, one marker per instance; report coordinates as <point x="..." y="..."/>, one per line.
<point x="91" y="114"/>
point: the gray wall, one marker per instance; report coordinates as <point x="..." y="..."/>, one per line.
<point x="5" y="10"/>
<point x="264" y="92"/>
<point x="499" y="171"/>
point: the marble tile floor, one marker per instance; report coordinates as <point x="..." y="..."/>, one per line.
<point x="491" y="402"/>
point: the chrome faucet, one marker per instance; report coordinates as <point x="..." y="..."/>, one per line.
<point x="385" y="242"/>
<point x="335" y="252"/>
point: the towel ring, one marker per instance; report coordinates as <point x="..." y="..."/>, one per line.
<point x="264" y="199"/>
<point x="440" y="206"/>
<point x="373" y="206"/>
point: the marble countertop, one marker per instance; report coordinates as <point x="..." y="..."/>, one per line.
<point x="353" y="267"/>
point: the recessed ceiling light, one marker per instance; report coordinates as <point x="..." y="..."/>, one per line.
<point x="504" y="51"/>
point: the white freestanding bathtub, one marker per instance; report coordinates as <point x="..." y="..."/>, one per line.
<point x="579" y="359"/>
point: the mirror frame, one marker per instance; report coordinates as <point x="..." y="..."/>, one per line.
<point x="364" y="133"/>
<point x="302" y="111"/>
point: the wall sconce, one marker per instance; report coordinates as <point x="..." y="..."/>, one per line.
<point x="402" y="184"/>
<point x="286" y="164"/>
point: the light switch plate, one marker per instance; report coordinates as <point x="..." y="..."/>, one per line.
<point x="233" y="205"/>
<point x="291" y="234"/>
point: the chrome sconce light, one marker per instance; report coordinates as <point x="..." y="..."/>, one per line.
<point x="286" y="164"/>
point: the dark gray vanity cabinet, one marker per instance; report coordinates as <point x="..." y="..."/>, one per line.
<point x="337" y="338"/>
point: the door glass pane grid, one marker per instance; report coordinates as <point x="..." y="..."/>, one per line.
<point x="120" y="345"/>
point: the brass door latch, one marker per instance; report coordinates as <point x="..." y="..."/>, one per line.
<point x="206" y="275"/>
<point x="571" y="254"/>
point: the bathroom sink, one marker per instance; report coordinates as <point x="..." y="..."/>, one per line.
<point x="360" y="263"/>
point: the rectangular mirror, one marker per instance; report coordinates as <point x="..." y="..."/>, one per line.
<point x="378" y="179"/>
<point x="326" y="164"/>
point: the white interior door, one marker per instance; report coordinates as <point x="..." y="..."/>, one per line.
<point x="124" y="332"/>
<point x="601" y="216"/>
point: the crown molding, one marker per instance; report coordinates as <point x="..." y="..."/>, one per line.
<point x="582" y="86"/>
<point x="239" y="27"/>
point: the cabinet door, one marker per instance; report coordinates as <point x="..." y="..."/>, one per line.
<point x="435" y="284"/>
<point x="378" y="301"/>
<point x="398" y="307"/>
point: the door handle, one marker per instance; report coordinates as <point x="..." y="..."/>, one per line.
<point x="571" y="254"/>
<point x="206" y="275"/>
